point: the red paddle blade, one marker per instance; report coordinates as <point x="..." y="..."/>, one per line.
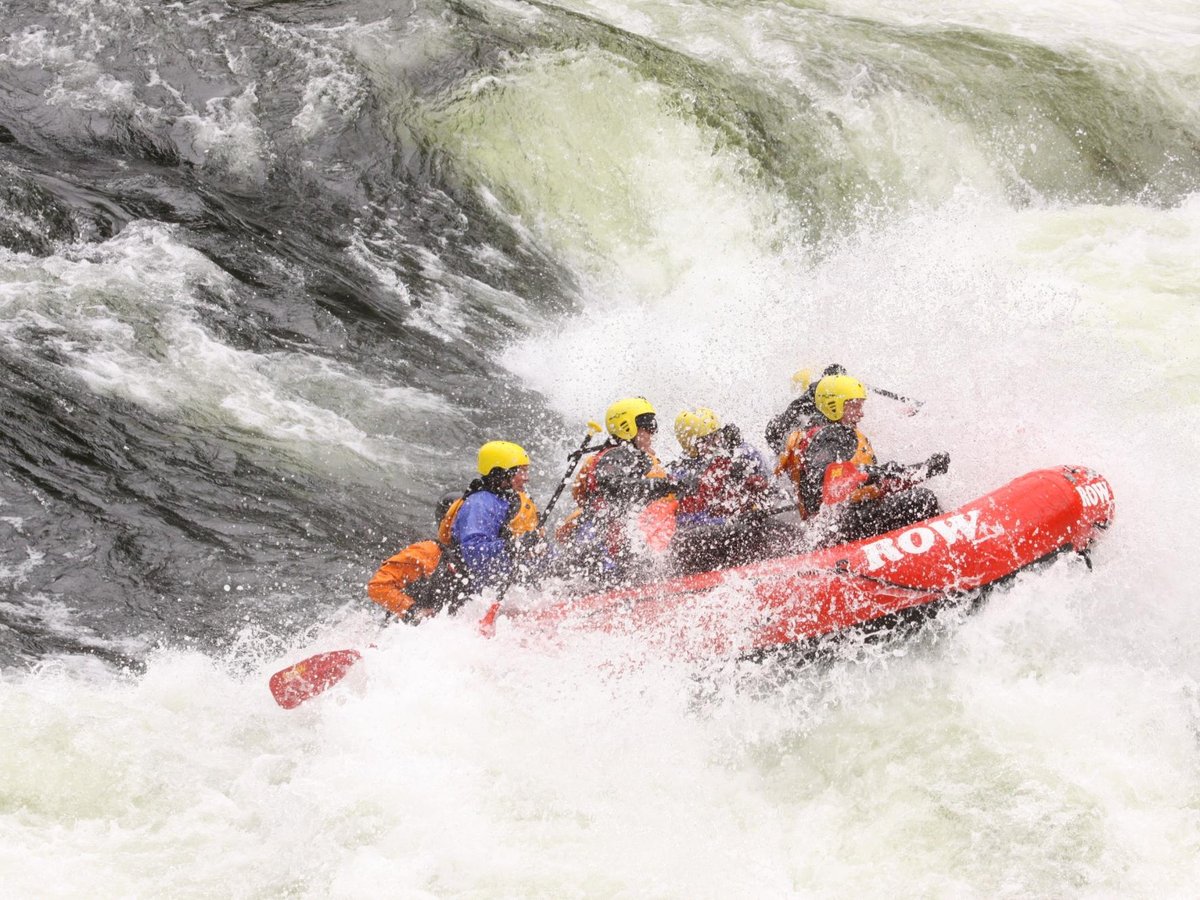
<point x="487" y="625"/>
<point x="292" y="686"/>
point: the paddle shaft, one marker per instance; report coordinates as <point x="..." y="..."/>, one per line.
<point x="900" y="397"/>
<point x="573" y="458"/>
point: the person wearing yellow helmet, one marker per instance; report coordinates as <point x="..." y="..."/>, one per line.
<point x="723" y="476"/>
<point x="623" y="482"/>
<point x="495" y="518"/>
<point x="695" y="430"/>
<point x="692" y="426"/>
<point x="498" y="457"/>
<point x="801" y="414"/>
<point x="839" y="479"/>
<point x="625" y="418"/>
<point x="726" y="486"/>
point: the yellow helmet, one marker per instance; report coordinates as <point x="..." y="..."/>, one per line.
<point x="832" y="393"/>
<point x="693" y="424"/>
<point x="502" y="455"/>
<point x="621" y="418"/>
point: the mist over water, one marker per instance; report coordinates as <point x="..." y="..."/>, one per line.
<point x="269" y="273"/>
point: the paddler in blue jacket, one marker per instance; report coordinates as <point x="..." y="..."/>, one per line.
<point x="496" y="521"/>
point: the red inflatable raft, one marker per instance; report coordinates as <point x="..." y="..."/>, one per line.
<point x="792" y="600"/>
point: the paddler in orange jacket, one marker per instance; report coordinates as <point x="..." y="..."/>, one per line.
<point x="409" y="584"/>
<point x="624" y="495"/>
<point x="839" y="481"/>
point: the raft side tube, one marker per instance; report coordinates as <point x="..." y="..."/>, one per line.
<point x="799" y="598"/>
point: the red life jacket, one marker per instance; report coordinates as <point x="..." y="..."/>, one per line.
<point x="846" y="481"/>
<point x="723" y="491"/>
<point x="586" y="490"/>
<point x="842" y="481"/>
<point x="656" y="521"/>
<point x="583" y="489"/>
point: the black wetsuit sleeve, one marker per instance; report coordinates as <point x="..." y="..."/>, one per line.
<point x="797" y="417"/>
<point x="621" y="477"/>
<point x="837" y="443"/>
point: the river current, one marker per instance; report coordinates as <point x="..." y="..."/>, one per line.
<point x="271" y="271"/>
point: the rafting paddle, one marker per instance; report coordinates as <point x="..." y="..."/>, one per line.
<point x="292" y="686"/>
<point x="304" y="680"/>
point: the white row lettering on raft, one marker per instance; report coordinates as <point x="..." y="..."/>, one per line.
<point x="1095" y="494"/>
<point x="921" y="539"/>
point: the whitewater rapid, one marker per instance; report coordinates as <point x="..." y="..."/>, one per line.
<point x="239" y="375"/>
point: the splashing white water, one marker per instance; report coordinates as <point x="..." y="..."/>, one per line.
<point x="1045" y="746"/>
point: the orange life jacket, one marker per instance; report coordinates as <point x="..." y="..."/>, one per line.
<point x="447" y="523"/>
<point x="791" y="463"/>
<point x="523" y="520"/>
<point x="656" y="468"/>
